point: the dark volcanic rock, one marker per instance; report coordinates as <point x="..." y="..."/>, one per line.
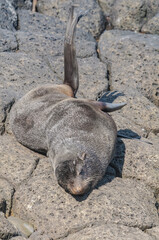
<point x="94" y="21"/>
<point x="8" y="41"/>
<point x="129" y="15"/>
<point x="134" y="59"/>
<point x="8" y="16"/>
<point x="152" y="26"/>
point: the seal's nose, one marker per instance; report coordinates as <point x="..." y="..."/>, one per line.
<point x="78" y="187"/>
<point x="77" y="190"/>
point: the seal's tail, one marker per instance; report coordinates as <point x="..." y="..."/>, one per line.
<point x="71" y="76"/>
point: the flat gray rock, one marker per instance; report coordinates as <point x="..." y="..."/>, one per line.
<point x="132" y="161"/>
<point x="109" y="231"/>
<point x="6" y="195"/>
<point x="39" y="235"/>
<point x="107" y="6"/>
<point x="94" y="21"/>
<point x="68" y="214"/>
<point x="128" y="15"/>
<point x="133" y="59"/>
<point x="153" y="232"/>
<point x="152" y="26"/>
<point x="52" y="44"/>
<point x="7" y="41"/>
<point x="39" y="23"/>
<point x="17" y="162"/>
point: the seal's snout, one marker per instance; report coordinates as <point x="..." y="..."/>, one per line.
<point x="78" y="186"/>
<point x="77" y="190"/>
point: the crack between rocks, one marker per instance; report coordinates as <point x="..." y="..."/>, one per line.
<point x="12" y="196"/>
<point x="107" y="76"/>
<point x="11" y="206"/>
<point x="6" y="110"/>
<point x="96" y="224"/>
<point x="34" y="167"/>
<point x="17" y="41"/>
<point x="30" y="173"/>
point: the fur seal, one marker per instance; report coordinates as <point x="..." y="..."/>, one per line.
<point x="77" y="134"/>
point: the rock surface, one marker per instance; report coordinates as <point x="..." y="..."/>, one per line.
<point x="152" y="26"/>
<point x="93" y="22"/>
<point x="104" y="204"/>
<point x="6" y="194"/>
<point x="128" y="15"/>
<point x="125" y="204"/>
<point x="7" y="230"/>
<point x="109" y="231"/>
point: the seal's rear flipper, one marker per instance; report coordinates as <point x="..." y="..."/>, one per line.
<point x="71" y="76"/>
<point x="108" y="107"/>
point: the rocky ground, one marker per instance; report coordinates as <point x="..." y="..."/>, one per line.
<point x="118" y="55"/>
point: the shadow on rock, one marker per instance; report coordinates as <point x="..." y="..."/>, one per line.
<point x="114" y="169"/>
<point x="128" y="133"/>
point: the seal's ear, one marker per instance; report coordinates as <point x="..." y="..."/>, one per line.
<point x="82" y="156"/>
<point x="71" y="76"/>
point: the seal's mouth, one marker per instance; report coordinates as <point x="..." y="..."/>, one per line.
<point x="77" y="191"/>
<point x="79" y="187"/>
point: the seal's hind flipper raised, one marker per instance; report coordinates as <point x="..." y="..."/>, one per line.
<point x="71" y="76"/>
<point x="108" y="107"/>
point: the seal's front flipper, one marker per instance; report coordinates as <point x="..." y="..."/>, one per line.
<point x="71" y="76"/>
<point x="108" y="107"/>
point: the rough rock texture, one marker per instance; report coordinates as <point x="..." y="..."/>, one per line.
<point x="152" y="26"/>
<point x="130" y="15"/>
<point x="139" y="61"/>
<point x="8" y="41"/>
<point x="105" y="203"/>
<point x="17" y="163"/>
<point x="7" y="230"/>
<point x="125" y="204"/>
<point x="133" y="69"/>
<point x="25" y="228"/>
<point x="93" y="22"/>
<point x="8" y="16"/>
<point x="18" y="238"/>
<point x="154" y="232"/>
<point x="6" y="194"/>
<point x="109" y="231"/>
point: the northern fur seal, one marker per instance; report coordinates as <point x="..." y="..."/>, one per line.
<point x="78" y="136"/>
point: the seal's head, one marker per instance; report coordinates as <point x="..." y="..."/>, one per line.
<point x="78" y="176"/>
